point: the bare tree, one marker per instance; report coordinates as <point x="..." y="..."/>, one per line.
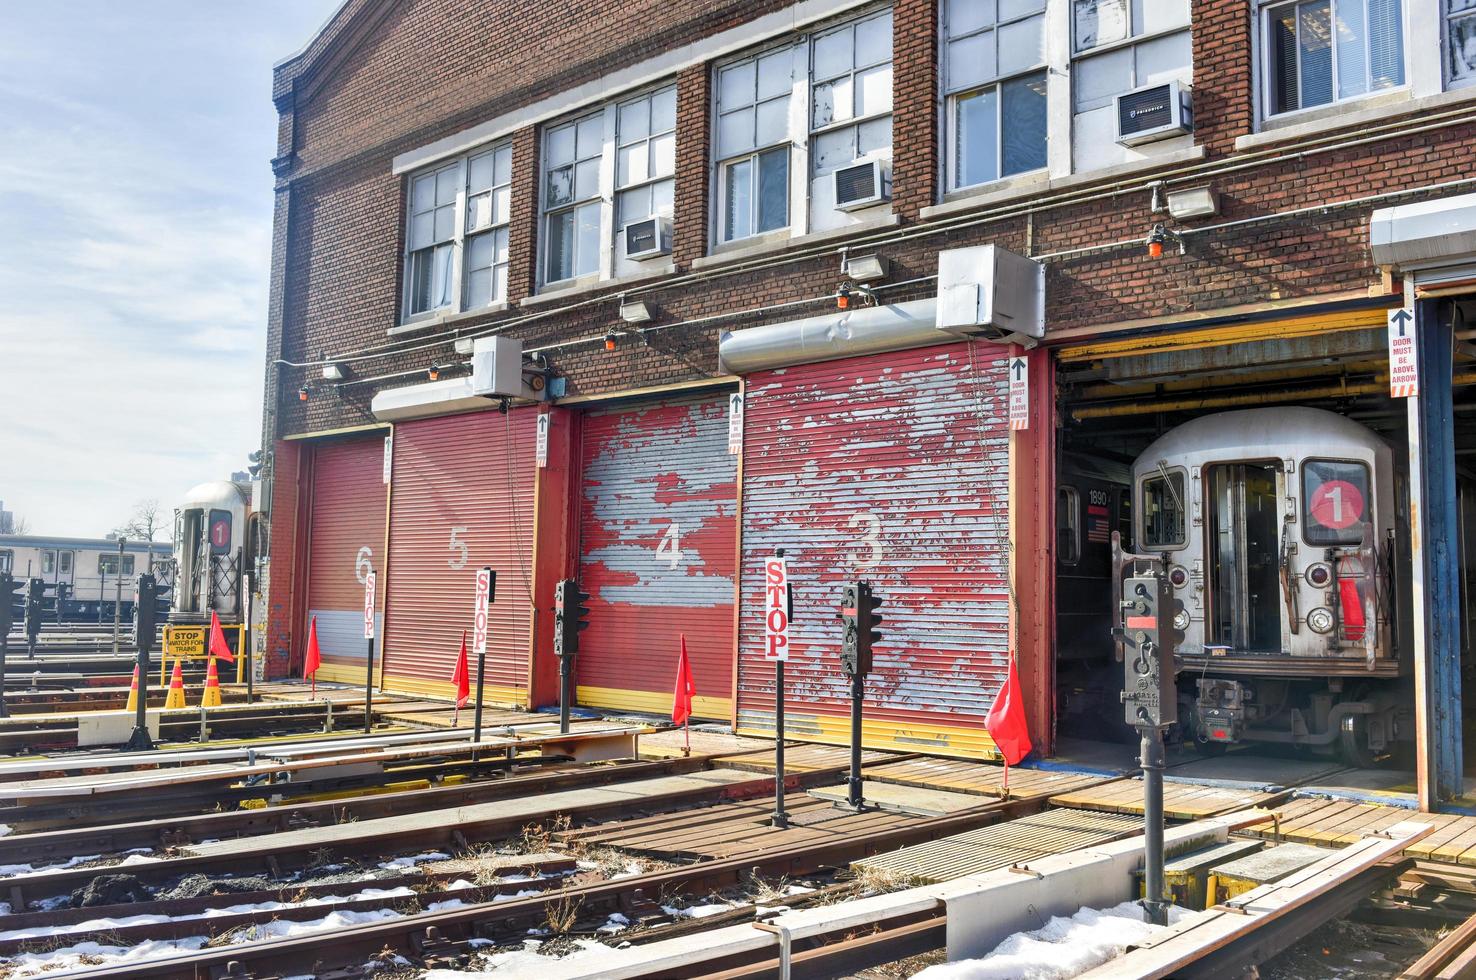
<point x="148" y="520"/>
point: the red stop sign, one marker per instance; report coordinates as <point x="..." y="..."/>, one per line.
<point x="1337" y="504"/>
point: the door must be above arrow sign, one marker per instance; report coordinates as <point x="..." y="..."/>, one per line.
<point x="1404" y="365"/>
<point x="1019" y="393"/>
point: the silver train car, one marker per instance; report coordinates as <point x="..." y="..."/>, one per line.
<point x="1284" y="543"/>
<point x="211" y="555"/>
<point x="87" y="570"/>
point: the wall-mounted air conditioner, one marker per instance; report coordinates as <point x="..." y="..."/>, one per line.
<point x="990" y="292"/>
<point x="1154" y="112"/>
<point x="861" y="185"/>
<point x="647" y="237"/>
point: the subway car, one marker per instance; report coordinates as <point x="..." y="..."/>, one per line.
<point x="85" y="570"/>
<point x="211" y="555"/>
<point x="1283" y="535"/>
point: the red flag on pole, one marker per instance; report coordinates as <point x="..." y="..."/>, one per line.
<point x="681" y="707"/>
<point x="218" y="647"/>
<point x="313" y="659"/>
<point x="1006" y="722"/>
<point x="461" y="676"/>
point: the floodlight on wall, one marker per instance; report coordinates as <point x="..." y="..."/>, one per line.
<point x="636" y="312"/>
<point x="1193" y="202"/>
<point x="464" y="345"/>
<point x="333" y="371"/>
<point x="866" y="268"/>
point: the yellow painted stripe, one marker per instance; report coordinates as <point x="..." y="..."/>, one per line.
<point x="945" y="740"/>
<point x="650" y="702"/>
<point x="341" y="674"/>
<point x="502" y="697"/>
<point x="1192" y="339"/>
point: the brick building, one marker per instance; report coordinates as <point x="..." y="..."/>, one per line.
<point x="665" y="203"/>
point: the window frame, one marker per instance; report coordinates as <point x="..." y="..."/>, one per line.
<point x="800" y="133"/>
<point x="1266" y="64"/>
<point x="1131" y="42"/>
<point x="1140" y="521"/>
<point x="953" y="98"/>
<point x="1304" y="501"/>
<point x="599" y="200"/>
<point x="1447" y="76"/>
<point x="7" y="560"/>
<point x="1073" y="500"/>
<point x="460" y="237"/>
<point x="107" y="564"/>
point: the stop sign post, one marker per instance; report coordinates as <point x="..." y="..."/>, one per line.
<point x="778" y="614"/>
<point x="369" y="662"/>
<point x="486" y="595"/>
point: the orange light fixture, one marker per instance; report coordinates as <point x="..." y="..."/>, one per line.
<point x="302" y="394"/>
<point x="433" y="372"/>
<point x="610" y="340"/>
<point x="1155" y="250"/>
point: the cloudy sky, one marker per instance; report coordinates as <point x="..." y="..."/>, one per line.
<point x="135" y="225"/>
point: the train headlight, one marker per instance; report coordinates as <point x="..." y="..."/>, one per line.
<point x="1178" y="578"/>
<point x="1319" y="575"/>
<point x="1320" y="620"/>
<point x="1181" y="620"/>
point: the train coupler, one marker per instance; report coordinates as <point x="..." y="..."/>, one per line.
<point x="1220" y="710"/>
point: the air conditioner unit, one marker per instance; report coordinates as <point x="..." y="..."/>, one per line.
<point x="1154" y="113"/>
<point x="990" y="292"/>
<point x="647" y="237"/>
<point x="861" y="185"/>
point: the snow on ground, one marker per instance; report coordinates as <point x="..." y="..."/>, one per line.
<point x="14" y="870"/>
<point x="1063" y="947"/>
<point x="525" y="962"/>
<point x="6" y="830"/>
<point x="401" y="863"/>
<point x="98" y="954"/>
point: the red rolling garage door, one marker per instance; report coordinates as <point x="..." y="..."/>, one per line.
<point x="891" y="468"/>
<point x="345" y="539"/>
<point x="462" y="498"/>
<point x="657" y="554"/>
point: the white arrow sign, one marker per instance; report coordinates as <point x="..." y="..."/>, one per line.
<point x="1404" y="364"/>
<point x="1019" y="393"/>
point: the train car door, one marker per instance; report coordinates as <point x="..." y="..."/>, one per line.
<point x="1244" y="516"/>
<point x="66" y="562"/>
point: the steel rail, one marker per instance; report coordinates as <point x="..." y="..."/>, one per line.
<point x="439" y="937"/>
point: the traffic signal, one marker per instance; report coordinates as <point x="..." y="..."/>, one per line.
<point x="35" y="590"/>
<point x="10" y="601"/>
<point x="861" y="632"/>
<point x="571" y="614"/>
<point x="145" y="610"/>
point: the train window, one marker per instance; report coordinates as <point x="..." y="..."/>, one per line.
<point x="48" y="562"/>
<point x="1163" y="510"/>
<point x="108" y="564"/>
<point x="66" y="562"/>
<point x="1335" y="501"/>
<point x="7" y="561"/>
<point x="1068" y="525"/>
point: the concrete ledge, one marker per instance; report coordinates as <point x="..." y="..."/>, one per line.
<point x="584" y="287"/>
<point x="1377" y="110"/>
<point x="780" y="245"/>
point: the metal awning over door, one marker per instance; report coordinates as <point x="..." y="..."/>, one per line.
<point x="657" y="554"/>
<point x="462" y="498"/>
<point x="892" y="468"/>
<point x="345" y="539"/>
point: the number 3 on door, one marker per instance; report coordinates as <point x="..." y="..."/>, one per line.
<point x="870" y="526"/>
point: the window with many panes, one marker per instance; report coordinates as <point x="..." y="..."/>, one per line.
<point x="601" y="172"/>
<point x="108" y="564"/>
<point x="753" y="142"/>
<point x="1323" y="51"/>
<point x="456" y="241"/>
<point x="1460" y="41"/>
<point x="809" y="107"/>
<point x="571" y="197"/>
<point x="995" y="88"/>
<point x="1121" y="45"/>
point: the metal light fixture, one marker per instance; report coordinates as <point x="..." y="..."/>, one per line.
<point x="433" y="372"/>
<point x="866" y="268"/>
<point x="302" y="394"/>
<point x="1193" y="202"/>
<point x="333" y="371"/>
<point x="1159" y="237"/>
<point x="636" y="312"/>
<point x="610" y="339"/>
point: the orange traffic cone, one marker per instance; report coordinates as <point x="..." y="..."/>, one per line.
<point x="133" y="692"/>
<point x="176" y="696"/>
<point x="211" y="697"/>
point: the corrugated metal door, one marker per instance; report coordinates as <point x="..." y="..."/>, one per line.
<point x="891" y="468"/>
<point x="345" y="539"/>
<point x="462" y="498"/>
<point x="657" y="554"/>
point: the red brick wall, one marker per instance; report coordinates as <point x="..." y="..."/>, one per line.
<point x="282" y="585"/>
<point x="915" y="113"/>
<point x="693" y="181"/>
<point x="1223" y="74"/>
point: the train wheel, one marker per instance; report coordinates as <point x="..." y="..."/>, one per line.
<point x="1353" y="745"/>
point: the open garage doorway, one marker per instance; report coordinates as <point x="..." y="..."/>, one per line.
<point x="1264" y="462"/>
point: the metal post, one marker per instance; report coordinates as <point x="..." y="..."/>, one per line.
<point x="248" y="648"/>
<point x="477" y="714"/>
<point x="118" y="596"/>
<point x="1435" y="566"/>
<point x="4" y="653"/>
<point x="141" y="740"/>
<point x="102" y="590"/>
<point x="858" y="693"/>
<point x="781" y="819"/>
<point x="369" y="690"/>
<point x="1155" y="905"/>
<point x="566" y="694"/>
